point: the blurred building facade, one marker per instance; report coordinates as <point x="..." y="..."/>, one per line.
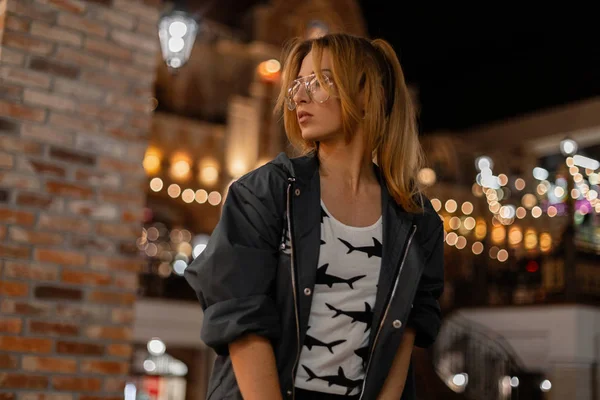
<point x="113" y="170"/>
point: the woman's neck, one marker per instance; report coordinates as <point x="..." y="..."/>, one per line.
<point x="347" y="164"/>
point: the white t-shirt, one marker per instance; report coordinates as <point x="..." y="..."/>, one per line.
<point x="335" y="349"/>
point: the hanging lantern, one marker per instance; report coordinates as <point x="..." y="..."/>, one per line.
<point x="177" y="33"/>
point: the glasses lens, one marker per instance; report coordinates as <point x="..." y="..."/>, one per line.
<point x="318" y="92"/>
<point x="291" y="93"/>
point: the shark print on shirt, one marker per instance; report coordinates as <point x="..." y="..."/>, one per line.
<point x="341" y="312"/>
<point x="324" y="279"/>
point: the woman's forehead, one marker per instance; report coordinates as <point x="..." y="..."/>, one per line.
<point x="307" y="67"/>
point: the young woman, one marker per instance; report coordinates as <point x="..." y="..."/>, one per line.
<point x="325" y="270"/>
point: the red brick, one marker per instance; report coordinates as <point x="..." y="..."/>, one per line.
<point x="20" y="145"/>
<point x="107" y="49"/>
<point x="93" y="209"/>
<point x="11" y="57"/>
<point x="78" y="90"/>
<point x="130" y="104"/>
<point x="112" y="17"/>
<point x="2" y="232"/>
<point x="140" y="75"/>
<point x="25" y="308"/>
<point x="55" y="34"/>
<point x="9" y="216"/>
<point x="46" y="134"/>
<point x="93" y="244"/>
<point x="128" y="281"/>
<point x="22" y="112"/>
<point x="114" y="385"/>
<point x="16" y="24"/>
<point x="112" y="298"/>
<point x="9" y="126"/>
<point x="49" y="364"/>
<point x="72" y="123"/>
<point x="146" y="28"/>
<point x="19" y="234"/>
<point x="122" y="166"/>
<point x="57" y="293"/>
<point x="82" y="312"/>
<point x="122" y="315"/>
<point x="85" y="278"/>
<point x="74" y="384"/>
<point x="54" y="68"/>
<point x="72" y="157"/>
<point x="19" y="181"/>
<point x="108" y="263"/>
<point x="39" y="201"/>
<point x="33" y="11"/>
<point x="145" y="60"/>
<point x="64" y="224"/>
<point x="98" y="178"/>
<point x="8" y="362"/>
<point x="79" y="348"/>
<point x="25" y="344"/>
<point x="47" y="100"/>
<point x="104" y="367"/>
<point x="84" y="24"/>
<point x="69" y="190"/>
<point x="27" y="43"/>
<point x="120" y="350"/>
<point x="37" y="167"/>
<point x="127" y="133"/>
<point x="45" y="396"/>
<point x="115" y="333"/>
<point x="25" y="77"/>
<point x="98" y="78"/>
<point x="135" y="41"/>
<point x="11" y="92"/>
<point x="30" y="271"/>
<point x="53" y="328"/>
<point x="127" y="199"/>
<point x="11" y="325"/>
<point x="78" y="58"/>
<point x="104" y="114"/>
<point x="23" y="381"/>
<point x="14" y="251"/>
<point x="132" y="216"/>
<point x="72" y="6"/>
<point x="61" y="257"/>
<point x="138" y="9"/>
<point x="13" y="288"/>
<point x="7" y="161"/>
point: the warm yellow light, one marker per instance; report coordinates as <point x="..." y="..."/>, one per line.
<point x="180" y="169"/>
<point x="269" y="70"/>
<point x="152" y="161"/>
<point x="467" y="208"/>
<point x="156" y="184"/>
<point x="214" y="198"/>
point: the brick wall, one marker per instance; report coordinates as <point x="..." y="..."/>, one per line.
<point x="75" y="79"/>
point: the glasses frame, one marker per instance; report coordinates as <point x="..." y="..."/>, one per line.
<point x="306" y="82"/>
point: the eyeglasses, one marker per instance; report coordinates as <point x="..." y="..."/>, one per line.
<point x="314" y="89"/>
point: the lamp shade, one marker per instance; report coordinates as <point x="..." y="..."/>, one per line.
<point x="177" y="34"/>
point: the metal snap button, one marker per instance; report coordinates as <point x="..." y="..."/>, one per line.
<point x="289" y="392"/>
<point x="397" y="324"/>
<point x="307" y="291"/>
<point x="297" y="192"/>
<point x="282" y="246"/>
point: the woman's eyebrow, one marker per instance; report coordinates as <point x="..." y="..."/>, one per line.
<point x="313" y="72"/>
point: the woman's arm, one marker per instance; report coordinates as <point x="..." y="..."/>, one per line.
<point x="396" y="379"/>
<point x="254" y="367"/>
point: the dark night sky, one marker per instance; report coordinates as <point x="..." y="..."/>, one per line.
<point x="477" y="66"/>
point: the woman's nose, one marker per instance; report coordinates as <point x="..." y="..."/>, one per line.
<point x="301" y="95"/>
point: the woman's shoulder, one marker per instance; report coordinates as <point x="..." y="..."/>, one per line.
<point x="268" y="180"/>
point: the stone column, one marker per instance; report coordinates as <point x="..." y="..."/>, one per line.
<point x="75" y="80"/>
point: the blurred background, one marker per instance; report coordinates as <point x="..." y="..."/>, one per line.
<point x="123" y="122"/>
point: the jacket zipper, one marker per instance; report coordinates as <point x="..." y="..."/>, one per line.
<point x="387" y="308"/>
<point x="293" y="273"/>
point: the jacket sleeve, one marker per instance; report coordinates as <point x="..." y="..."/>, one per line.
<point x="425" y="316"/>
<point x="233" y="275"/>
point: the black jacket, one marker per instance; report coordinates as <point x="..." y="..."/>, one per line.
<point x="248" y="280"/>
